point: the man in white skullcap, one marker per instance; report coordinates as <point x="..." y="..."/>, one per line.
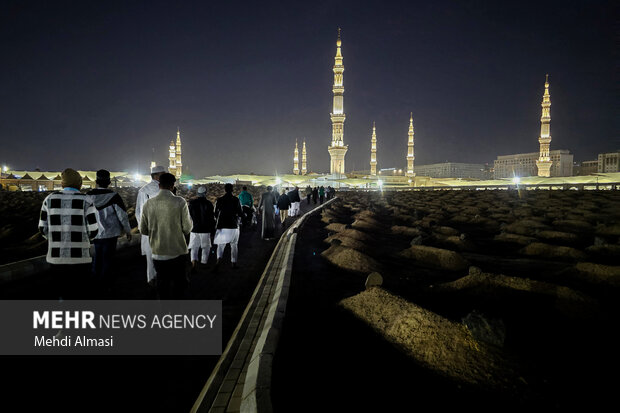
<point x="148" y="191"/>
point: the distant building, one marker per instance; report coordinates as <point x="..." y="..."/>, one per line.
<point x="586" y="168"/>
<point x="452" y="170"/>
<point x="524" y="164"/>
<point x="609" y="162"/>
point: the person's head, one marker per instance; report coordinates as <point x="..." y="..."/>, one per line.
<point x="201" y="191"/>
<point x="245" y="188"/>
<point x="71" y="179"/>
<point x="157" y="172"/>
<point x="284" y="192"/>
<point x="228" y="188"/>
<point x="269" y="188"/>
<point x="103" y="178"/>
<point x="166" y="181"/>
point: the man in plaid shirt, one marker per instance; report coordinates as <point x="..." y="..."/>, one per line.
<point x="69" y="222"/>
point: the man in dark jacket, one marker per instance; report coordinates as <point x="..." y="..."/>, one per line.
<point x="113" y="220"/>
<point x="227" y="211"/>
<point x="293" y="195"/>
<point x="203" y="218"/>
<point x="284" y="204"/>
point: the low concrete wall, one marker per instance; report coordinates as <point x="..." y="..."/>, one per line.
<point x="241" y="380"/>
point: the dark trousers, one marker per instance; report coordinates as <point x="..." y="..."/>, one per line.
<point x="103" y="261"/>
<point x="309" y="196"/>
<point x="72" y="281"/>
<point x="322" y="198"/>
<point x="247" y="216"/>
<point x="171" y="278"/>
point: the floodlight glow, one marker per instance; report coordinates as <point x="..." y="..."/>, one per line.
<point x="5" y="168"/>
<point x="136" y="177"/>
<point x="189" y="185"/>
<point x="516" y="180"/>
<point x="278" y="181"/>
<point x="380" y="182"/>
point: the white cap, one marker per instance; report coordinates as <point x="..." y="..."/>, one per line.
<point x="201" y="190"/>
<point x="157" y="169"/>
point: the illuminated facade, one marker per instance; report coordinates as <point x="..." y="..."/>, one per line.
<point x="175" y="166"/>
<point x="452" y="170"/>
<point x="410" y="154"/>
<point x="304" y="164"/>
<point x="296" y="160"/>
<point x="373" y="151"/>
<point x="544" y="161"/>
<point x="337" y="149"/>
<point x="609" y="162"/>
<point x="525" y="164"/>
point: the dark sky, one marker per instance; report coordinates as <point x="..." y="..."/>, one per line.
<point x="96" y="85"/>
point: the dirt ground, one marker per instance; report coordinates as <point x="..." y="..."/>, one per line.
<point x="514" y="328"/>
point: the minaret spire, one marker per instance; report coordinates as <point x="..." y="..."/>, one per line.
<point x="373" y="151"/>
<point x="296" y="160"/>
<point x="337" y="149"/>
<point x="178" y="162"/>
<point x="544" y="161"/>
<point x="410" y="153"/>
<point x="304" y="168"/>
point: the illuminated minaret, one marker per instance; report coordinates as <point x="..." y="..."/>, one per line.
<point x="544" y="161"/>
<point x="337" y="150"/>
<point x="410" y="154"/>
<point x="296" y="160"/>
<point x="172" y="166"/>
<point x="153" y="159"/>
<point x="179" y="164"/>
<point x="373" y="151"/>
<point x="304" y="168"/>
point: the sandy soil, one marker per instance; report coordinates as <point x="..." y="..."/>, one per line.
<point x="489" y="300"/>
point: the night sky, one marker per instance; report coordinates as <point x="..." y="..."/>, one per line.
<point x="93" y="85"/>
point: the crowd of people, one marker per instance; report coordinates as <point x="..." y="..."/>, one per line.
<point x="70" y="220"/>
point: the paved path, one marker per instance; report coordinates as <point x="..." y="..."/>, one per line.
<point x="140" y="383"/>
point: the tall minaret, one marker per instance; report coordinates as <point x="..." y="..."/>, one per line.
<point x="410" y="154"/>
<point x="338" y="150"/>
<point x="179" y="164"/>
<point x="373" y="151"/>
<point x="172" y="166"/>
<point x="153" y="159"/>
<point x="544" y="161"/>
<point x="304" y="167"/>
<point x="296" y="160"/>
